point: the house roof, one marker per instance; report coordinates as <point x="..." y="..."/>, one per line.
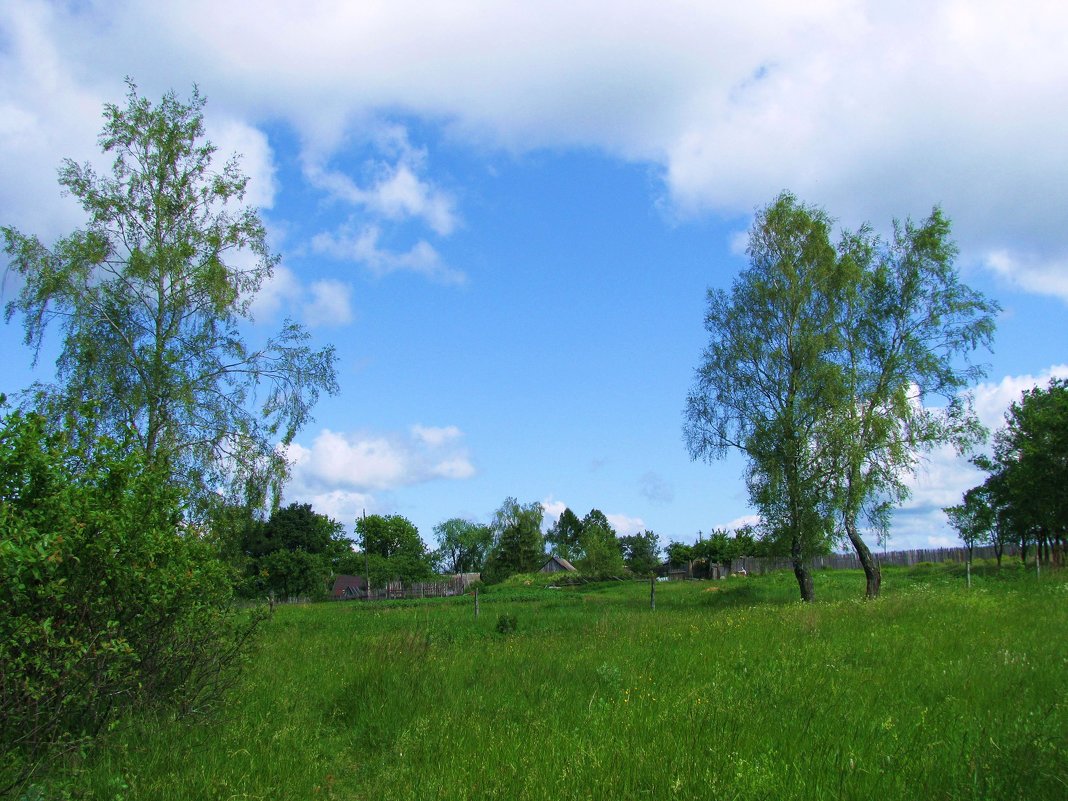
<point x="566" y="565"/>
<point x="345" y="583"/>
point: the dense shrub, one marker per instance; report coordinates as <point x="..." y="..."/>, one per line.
<point x="108" y="602"/>
<point x="507" y="624"/>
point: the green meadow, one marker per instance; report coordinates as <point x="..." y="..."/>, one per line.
<point x="727" y="690"/>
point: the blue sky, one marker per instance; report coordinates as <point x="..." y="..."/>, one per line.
<point x="506" y="216"/>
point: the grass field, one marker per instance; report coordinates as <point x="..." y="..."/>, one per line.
<point x="729" y="689"/>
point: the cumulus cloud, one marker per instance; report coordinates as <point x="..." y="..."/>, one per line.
<point x="366" y="462"/>
<point x="255" y="157"/>
<point x="436" y="436"/>
<point x="48" y="111"/>
<point x="738" y="522"/>
<point x="870" y="109"/>
<point x="325" y="303"/>
<point x="626" y="525"/>
<point x="553" y="509"/>
<point x="396" y="194"/>
<point x="992" y="399"/>
<point x="342" y="505"/>
<point x="1031" y="273"/>
<point x="362" y="245"/>
<point x="329" y="303"/>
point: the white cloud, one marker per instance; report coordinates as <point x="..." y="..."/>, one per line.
<point x="942" y="541"/>
<point x="553" y="509"/>
<point x="325" y="303"/>
<point x="49" y="110"/>
<point x="927" y="528"/>
<point x="940" y="480"/>
<point x="456" y="469"/>
<point x="1031" y="273"/>
<point x="436" y="436"/>
<point x="256" y="158"/>
<point x="992" y="399"/>
<point x="874" y="110"/>
<point x="281" y="291"/>
<point x="363" y="245"/>
<point x="341" y="505"/>
<point x="738" y="522"/>
<point x="396" y="194"/>
<point x="739" y="242"/>
<point x="329" y="304"/>
<point x="368" y="463"/>
<point x="626" y="525"/>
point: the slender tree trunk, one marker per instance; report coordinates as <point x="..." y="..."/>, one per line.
<point x="872" y="573"/>
<point x="801" y="571"/>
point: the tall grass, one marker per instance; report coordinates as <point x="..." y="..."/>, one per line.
<point x="728" y="690"/>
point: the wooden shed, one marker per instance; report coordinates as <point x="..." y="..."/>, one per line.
<point x="349" y="587"/>
<point x="557" y="564"/>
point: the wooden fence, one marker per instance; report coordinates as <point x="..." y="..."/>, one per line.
<point x="456" y="585"/>
<point x="849" y="561"/>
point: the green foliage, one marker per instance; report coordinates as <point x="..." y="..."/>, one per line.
<point x="818" y="364"/>
<point x="564" y="537"/>
<point x="975" y="518"/>
<point x="107" y="603"/>
<point x="909" y="330"/>
<point x="602" y="554"/>
<point x="150" y="297"/>
<point x="462" y="545"/>
<point x="507" y="624"/>
<point x="293" y="554"/>
<point x="297" y="527"/>
<point x="1029" y="472"/>
<point x="679" y="553"/>
<point x="641" y="552"/>
<point x="395" y="549"/>
<point x="517" y="541"/>
<point x="768" y="374"/>
<point x="595" y="517"/>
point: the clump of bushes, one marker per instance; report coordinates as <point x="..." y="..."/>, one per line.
<point x="109" y="602"/>
<point x="507" y="624"/>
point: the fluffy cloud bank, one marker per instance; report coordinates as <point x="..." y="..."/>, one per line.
<point x="343" y="473"/>
<point x="869" y="108"/>
<point x="325" y="303"/>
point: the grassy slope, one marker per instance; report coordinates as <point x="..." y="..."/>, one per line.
<point x="728" y="690"/>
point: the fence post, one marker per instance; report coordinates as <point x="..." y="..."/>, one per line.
<point x="652" y="592"/>
<point x="476" y="603"/>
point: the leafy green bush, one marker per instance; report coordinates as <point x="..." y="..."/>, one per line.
<point x="107" y="602"/>
<point x="507" y="624"/>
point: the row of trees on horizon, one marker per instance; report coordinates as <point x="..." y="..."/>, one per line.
<point x="297" y="551"/>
